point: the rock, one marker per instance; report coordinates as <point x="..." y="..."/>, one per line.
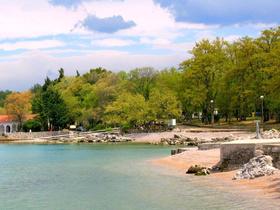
<point x="181" y="140"/>
<point x="177" y="129"/>
<point x="224" y="139"/>
<point x="176" y="136"/>
<point x="194" y="169"/>
<point x="271" y="134"/>
<point x="198" y="170"/>
<point x="258" y="152"/>
<point x="192" y="144"/>
<point x="256" y="167"/>
<point x="203" y="172"/>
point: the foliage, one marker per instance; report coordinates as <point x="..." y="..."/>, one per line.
<point x="143" y="80"/>
<point x="3" y="95"/>
<point x="164" y="105"/>
<point x="18" y="105"/>
<point x="33" y="125"/>
<point x="48" y="103"/>
<point x="128" y="109"/>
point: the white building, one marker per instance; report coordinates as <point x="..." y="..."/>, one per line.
<point x="7" y="125"/>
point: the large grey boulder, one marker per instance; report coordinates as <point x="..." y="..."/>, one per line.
<point x="256" y="167"/>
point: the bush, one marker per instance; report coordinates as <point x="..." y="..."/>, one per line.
<point x="33" y="125"/>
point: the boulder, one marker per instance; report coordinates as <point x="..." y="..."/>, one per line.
<point x="198" y="170"/>
<point x="203" y="172"/>
<point x="256" y="167"/>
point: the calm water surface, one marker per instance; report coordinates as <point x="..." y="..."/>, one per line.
<point x="118" y="177"/>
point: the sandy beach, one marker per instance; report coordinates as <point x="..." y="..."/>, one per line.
<point x="265" y="187"/>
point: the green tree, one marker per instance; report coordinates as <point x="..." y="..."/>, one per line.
<point x="128" y="110"/>
<point x="143" y="80"/>
<point x="164" y="105"/>
<point x="3" y="95"/>
<point x="49" y="105"/>
<point x="202" y="74"/>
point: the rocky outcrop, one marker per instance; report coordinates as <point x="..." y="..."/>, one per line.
<point x="83" y="137"/>
<point x="224" y="139"/>
<point x="198" y="170"/>
<point x="187" y="141"/>
<point x="256" y="167"/>
<point x="271" y="134"/>
<point x="100" y="138"/>
<point x="182" y="140"/>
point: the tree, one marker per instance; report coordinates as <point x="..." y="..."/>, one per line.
<point x="164" y="105"/>
<point x="128" y="110"/>
<point x="202" y="74"/>
<point x="3" y="95"/>
<point x="143" y="80"/>
<point x="18" y="106"/>
<point x="95" y="74"/>
<point x="54" y="109"/>
<point x="50" y="106"/>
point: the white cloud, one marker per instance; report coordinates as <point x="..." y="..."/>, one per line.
<point x="151" y="19"/>
<point x="33" y="18"/>
<point x="112" y="42"/>
<point x="156" y="41"/>
<point x="31" y="45"/>
<point x="167" y="44"/>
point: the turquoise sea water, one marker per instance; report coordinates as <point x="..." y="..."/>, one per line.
<point x="118" y="177"/>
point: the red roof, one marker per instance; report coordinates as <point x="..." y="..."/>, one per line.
<point x="5" y="118"/>
<point x="8" y="118"/>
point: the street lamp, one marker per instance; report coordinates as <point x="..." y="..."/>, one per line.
<point x="262" y="97"/>
<point x="212" y="112"/>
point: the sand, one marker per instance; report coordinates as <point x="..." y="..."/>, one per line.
<point x="267" y="186"/>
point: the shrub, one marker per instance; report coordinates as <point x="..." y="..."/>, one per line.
<point x="33" y="125"/>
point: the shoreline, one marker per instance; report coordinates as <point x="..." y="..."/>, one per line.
<point x="205" y="134"/>
<point x="267" y="187"/>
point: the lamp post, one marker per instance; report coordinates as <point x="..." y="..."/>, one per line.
<point x="262" y="98"/>
<point x="212" y="111"/>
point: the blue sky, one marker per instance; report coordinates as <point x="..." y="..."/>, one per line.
<point x="45" y="35"/>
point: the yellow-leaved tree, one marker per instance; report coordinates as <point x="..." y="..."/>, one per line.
<point x="18" y="106"/>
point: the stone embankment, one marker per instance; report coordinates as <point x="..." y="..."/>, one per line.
<point x="67" y="137"/>
<point x="34" y="135"/>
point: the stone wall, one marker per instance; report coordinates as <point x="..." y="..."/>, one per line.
<point x="273" y="150"/>
<point x="232" y="156"/>
<point x="32" y="135"/>
<point x="208" y="146"/>
<point x="235" y="154"/>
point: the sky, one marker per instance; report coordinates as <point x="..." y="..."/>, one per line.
<point x="37" y="37"/>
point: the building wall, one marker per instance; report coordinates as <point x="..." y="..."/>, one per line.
<point x="8" y="127"/>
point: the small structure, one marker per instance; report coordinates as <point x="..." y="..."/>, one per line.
<point x="172" y="123"/>
<point x="7" y="125"/>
